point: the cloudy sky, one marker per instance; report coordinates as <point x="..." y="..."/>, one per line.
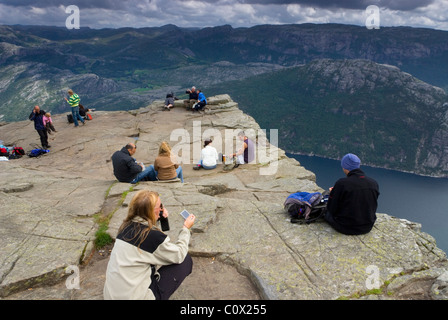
<point x="238" y="13"/>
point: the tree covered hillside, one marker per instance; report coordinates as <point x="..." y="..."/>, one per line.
<point x="331" y="107"/>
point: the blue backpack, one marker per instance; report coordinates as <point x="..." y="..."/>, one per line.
<point x="306" y="207"/>
<point x="37" y="152"/>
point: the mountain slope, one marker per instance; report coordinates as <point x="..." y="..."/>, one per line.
<point x="128" y="68"/>
<point x="331" y="107"/>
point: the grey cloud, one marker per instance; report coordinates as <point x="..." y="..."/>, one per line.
<point x="100" y="4"/>
<point x="402" y="5"/>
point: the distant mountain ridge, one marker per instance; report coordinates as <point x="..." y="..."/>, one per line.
<point x="127" y="68"/>
<point x="346" y="75"/>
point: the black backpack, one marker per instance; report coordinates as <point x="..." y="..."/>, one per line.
<point x="305" y="207"/>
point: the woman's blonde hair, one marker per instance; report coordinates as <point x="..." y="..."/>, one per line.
<point x="142" y="206"/>
<point x="164" y="149"/>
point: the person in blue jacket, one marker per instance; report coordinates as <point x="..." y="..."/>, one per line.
<point x="202" y="101"/>
<point x="38" y="117"/>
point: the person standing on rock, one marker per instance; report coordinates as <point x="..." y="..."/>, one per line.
<point x="144" y="264"/>
<point x="37" y="115"/>
<point x="126" y="168"/>
<point x="74" y="103"/>
<point x="351" y="208"/>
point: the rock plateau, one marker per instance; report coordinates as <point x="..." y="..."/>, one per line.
<point x="50" y="208"/>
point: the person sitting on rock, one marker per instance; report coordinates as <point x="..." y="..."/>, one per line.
<point x="202" y="102"/>
<point x="209" y="157"/>
<point x="246" y="153"/>
<point x="144" y="264"/>
<point x="83" y="112"/>
<point x="351" y="207"/>
<point x="126" y="168"/>
<point x="165" y="167"/>
<point x="193" y="98"/>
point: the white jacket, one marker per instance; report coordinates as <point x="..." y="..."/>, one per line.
<point x="128" y="274"/>
<point x="209" y="156"/>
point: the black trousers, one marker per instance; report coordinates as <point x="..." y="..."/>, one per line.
<point x="171" y="277"/>
<point x="200" y="105"/>
<point x="43" y="137"/>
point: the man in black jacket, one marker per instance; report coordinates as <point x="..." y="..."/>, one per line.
<point x="192" y="98"/>
<point x="37" y="115"/>
<point x="351" y="208"/>
<point x="126" y="168"/>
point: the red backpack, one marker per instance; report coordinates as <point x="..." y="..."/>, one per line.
<point x="4" y="152"/>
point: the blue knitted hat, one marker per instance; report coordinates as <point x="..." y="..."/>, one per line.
<point x="350" y="162"/>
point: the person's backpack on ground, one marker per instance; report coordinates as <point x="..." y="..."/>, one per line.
<point x="4" y="152"/>
<point x="34" y="153"/>
<point x="17" y="153"/>
<point x="306" y="207"/>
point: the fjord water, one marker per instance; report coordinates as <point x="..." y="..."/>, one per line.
<point x="402" y="195"/>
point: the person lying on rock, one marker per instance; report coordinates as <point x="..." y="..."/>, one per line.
<point x="169" y="101"/>
<point x="144" y="264"/>
<point x="127" y="169"/>
<point x="351" y="207"/>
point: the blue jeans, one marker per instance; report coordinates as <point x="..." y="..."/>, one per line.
<point x="76" y="116"/>
<point x="206" y="167"/>
<point x="178" y="171"/>
<point x="149" y="174"/>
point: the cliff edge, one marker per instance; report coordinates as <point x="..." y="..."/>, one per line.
<point x="51" y="207"/>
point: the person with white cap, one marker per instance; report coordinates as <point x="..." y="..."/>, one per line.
<point x="351" y="208"/>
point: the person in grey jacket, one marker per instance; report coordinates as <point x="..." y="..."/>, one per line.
<point x="144" y="263"/>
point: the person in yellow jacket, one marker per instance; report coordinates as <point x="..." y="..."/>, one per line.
<point x="74" y="103"/>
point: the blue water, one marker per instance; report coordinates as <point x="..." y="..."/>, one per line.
<point x="403" y="195"/>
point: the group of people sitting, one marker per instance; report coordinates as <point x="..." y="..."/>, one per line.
<point x="165" y="167"/>
<point x="196" y="100"/>
<point x="127" y="169"/>
<point x="142" y="249"/>
<point x="145" y="264"/>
